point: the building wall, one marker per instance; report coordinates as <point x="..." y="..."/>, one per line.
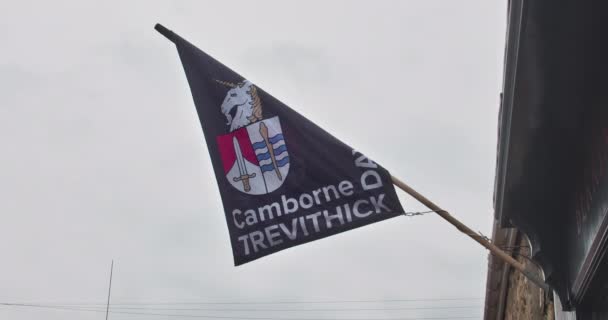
<point x="525" y="301"/>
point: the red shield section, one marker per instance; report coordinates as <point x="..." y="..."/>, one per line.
<point x="227" y="152"/>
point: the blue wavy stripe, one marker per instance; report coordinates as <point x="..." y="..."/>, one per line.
<point x="277" y="152"/>
<point x="259" y="145"/>
<point x="276" y="138"/>
<point x="280" y="163"/>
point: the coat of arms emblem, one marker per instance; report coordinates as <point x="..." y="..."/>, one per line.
<point x="254" y="154"/>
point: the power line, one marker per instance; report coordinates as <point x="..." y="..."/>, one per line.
<point x="294" y="310"/>
<point x="272" y="310"/>
<point x="211" y="316"/>
<point x="279" y="302"/>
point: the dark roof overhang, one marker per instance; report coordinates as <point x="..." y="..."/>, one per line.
<point x="550" y="75"/>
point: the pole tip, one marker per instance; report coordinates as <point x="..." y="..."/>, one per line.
<point x="165" y="32"/>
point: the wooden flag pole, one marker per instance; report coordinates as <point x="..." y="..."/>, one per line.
<point x="528" y="272"/>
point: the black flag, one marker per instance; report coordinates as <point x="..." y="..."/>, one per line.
<point x="283" y="180"/>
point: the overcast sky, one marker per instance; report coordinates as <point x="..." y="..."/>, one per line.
<point x="103" y="156"/>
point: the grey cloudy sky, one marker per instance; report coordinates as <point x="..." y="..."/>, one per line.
<point x="103" y="156"/>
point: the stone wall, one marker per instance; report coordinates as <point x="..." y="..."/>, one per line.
<point x="525" y="301"/>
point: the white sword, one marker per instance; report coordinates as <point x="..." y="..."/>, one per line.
<point x="240" y="162"/>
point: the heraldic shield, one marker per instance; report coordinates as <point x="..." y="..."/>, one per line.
<point x="255" y="157"/>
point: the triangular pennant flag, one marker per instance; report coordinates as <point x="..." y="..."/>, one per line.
<point x="283" y="180"/>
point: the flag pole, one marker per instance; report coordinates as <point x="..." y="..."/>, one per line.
<point x="526" y="271"/>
